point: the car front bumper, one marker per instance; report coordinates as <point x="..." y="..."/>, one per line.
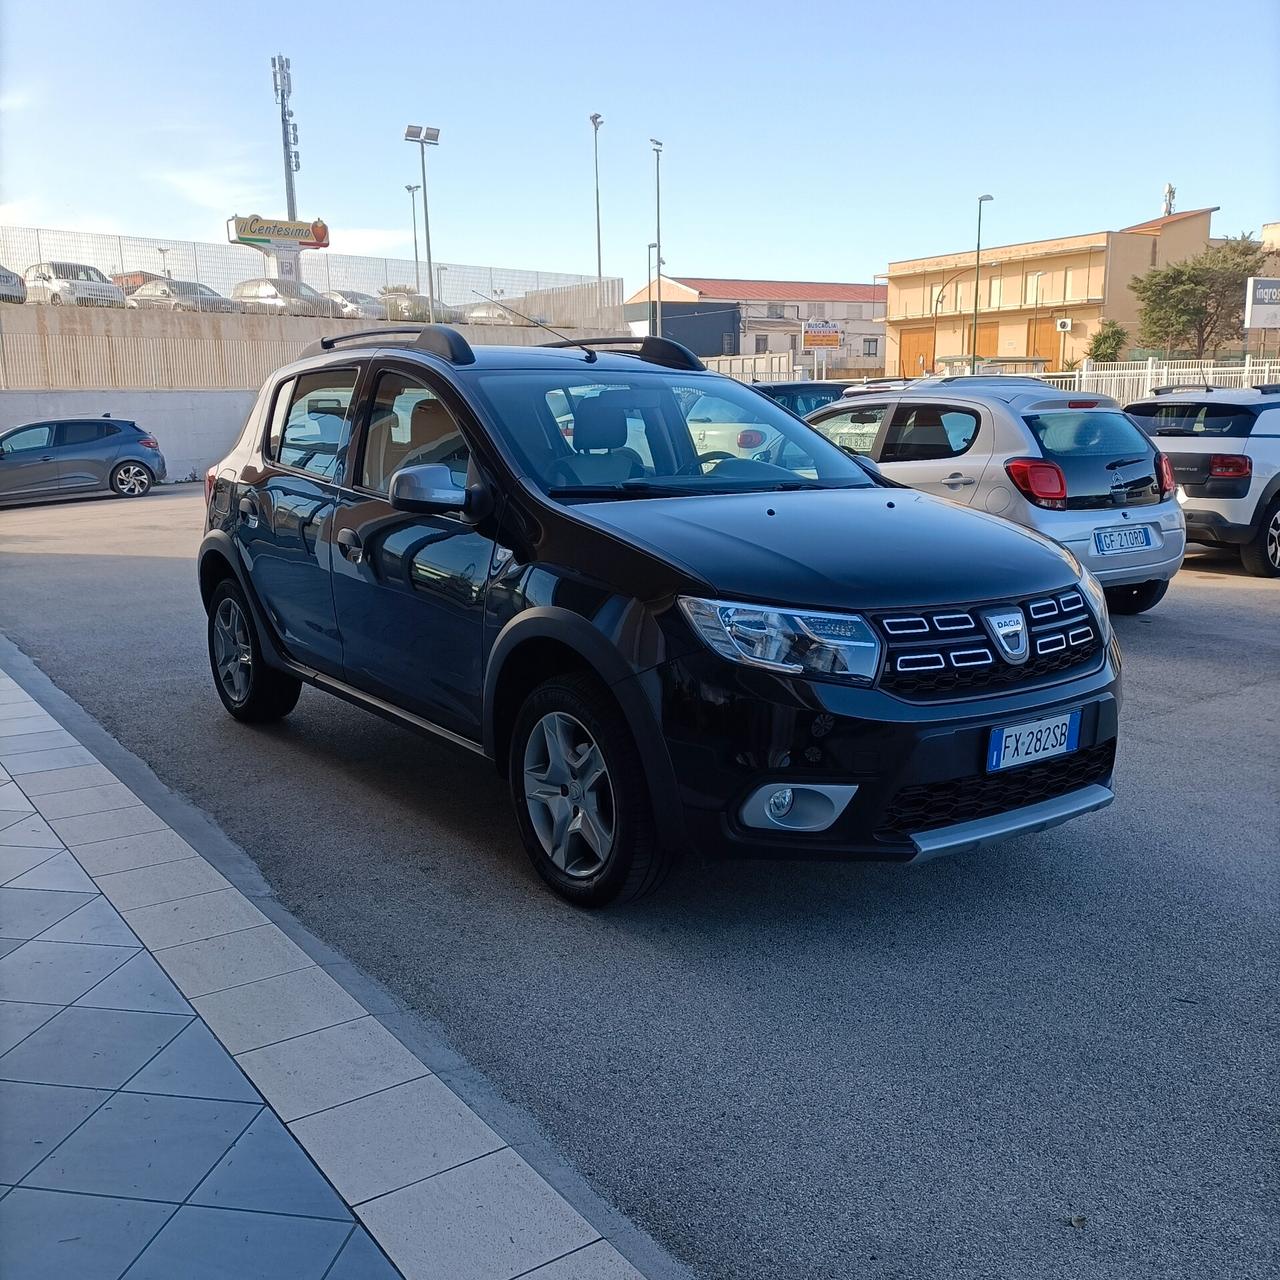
<point x="908" y="781"/>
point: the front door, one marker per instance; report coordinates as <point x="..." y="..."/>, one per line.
<point x="28" y="462"/>
<point x="939" y="448"/>
<point x="1043" y="340"/>
<point x="915" y="352"/>
<point x="283" y="520"/>
<point x="409" y="589"/>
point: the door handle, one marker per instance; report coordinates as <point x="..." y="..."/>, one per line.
<point x="956" y="480"/>
<point x="46" y="457"/>
<point x="350" y="545"/>
<point x="249" y="512"/>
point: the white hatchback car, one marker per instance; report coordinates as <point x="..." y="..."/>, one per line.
<point x="71" y="284"/>
<point x="1071" y="466"/>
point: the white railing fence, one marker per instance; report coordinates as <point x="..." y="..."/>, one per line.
<point x="769" y="367"/>
<point x="1132" y="379"/>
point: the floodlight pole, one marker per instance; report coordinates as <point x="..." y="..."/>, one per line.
<point x="596" y="121"/>
<point x="657" y="192"/>
<point x="425" y="137"/>
<point x="413" y="189"/>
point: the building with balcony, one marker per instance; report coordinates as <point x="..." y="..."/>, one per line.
<point x="719" y="317"/>
<point x="1042" y="300"/>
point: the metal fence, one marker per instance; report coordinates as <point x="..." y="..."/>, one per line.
<point x="1130" y="379"/>
<point x="559" y="298"/>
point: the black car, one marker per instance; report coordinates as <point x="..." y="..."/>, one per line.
<point x="662" y="652"/>
<point x="802" y="398"/>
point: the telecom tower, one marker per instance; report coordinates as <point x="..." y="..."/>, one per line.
<point x="283" y="83"/>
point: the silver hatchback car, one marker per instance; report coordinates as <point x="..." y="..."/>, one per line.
<point x="1074" y="467"/>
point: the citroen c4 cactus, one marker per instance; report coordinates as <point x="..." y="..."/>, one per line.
<point x="665" y="651"/>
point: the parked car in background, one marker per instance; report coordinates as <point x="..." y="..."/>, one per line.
<point x="267" y="296"/>
<point x="1224" y="444"/>
<point x="12" y="288"/>
<point x="661" y="653"/>
<point x="1071" y="466"/>
<point x="70" y="456"/>
<point x="181" y="295"/>
<point x="71" y="284"/>
<point x="356" y="305"/>
<point x="802" y="398"/>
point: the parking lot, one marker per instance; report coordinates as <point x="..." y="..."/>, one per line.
<point x="1053" y="1059"/>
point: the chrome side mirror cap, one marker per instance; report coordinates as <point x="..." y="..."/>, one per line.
<point x="427" y="489"/>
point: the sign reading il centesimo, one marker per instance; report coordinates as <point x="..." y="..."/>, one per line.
<point x="276" y="233"/>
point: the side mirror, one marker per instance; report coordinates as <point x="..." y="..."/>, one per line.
<point x="427" y="489"/>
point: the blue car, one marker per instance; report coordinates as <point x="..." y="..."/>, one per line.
<point x="72" y="456"/>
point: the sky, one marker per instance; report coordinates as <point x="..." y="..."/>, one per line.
<point x="811" y="142"/>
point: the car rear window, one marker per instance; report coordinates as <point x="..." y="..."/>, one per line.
<point x="1074" y="433"/>
<point x="1194" y="418"/>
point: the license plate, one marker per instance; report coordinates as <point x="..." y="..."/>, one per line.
<point x="1110" y="542"/>
<point x="1036" y="740"/>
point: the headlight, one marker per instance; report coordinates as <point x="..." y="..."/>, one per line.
<point x="799" y="642"/>
<point x="1097" y="597"/>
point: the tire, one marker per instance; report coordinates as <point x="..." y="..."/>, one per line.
<point x="1261" y="554"/>
<point x="250" y="690"/>
<point x="1137" y="598"/>
<point x="131" y="479"/>
<point x="555" y="730"/>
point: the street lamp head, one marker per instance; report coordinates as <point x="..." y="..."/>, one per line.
<point x="596" y="120"/>
<point x="653" y="244"/>
<point x="413" y="187"/>
<point x="657" y="146"/>
<point x="421" y="134"/>
<point x="984" y="199"/>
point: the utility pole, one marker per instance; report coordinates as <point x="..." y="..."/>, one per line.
<point x="657" y="205"/>
<point x="283" y="83"/>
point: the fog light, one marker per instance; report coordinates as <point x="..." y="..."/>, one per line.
<point x="780" y="803"/>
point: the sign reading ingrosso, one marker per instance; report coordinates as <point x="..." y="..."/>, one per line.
<point x="1262" y="303"/>
<point x="275" y="233"/>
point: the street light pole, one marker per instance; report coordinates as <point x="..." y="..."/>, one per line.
<point x="596" y="121"/>
<point x="977" y="273"/>
<point x="164" y="258"/>
<point x="425" y="137"/>
<point x="657" y="193"/>
<point x="413" y="189"/>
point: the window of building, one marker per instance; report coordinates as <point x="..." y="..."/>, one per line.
<point x="921" y="433"/>
<point x="996" y="292"/>
<point x="762" y="343"/>
<point x="1076" y="282"/>
<point x="726" y="343"/>
<point x="871" y="346"/>
<point x="934" y="291"/>
<point x="409" y="425"/>
<point x="774" y="311"/>
<point x="1033" y="287"/>
<point x="960" y="298"/>
<point x="817" y="311"/>
<point x="309" y="424"/>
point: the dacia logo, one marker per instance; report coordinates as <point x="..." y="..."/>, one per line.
<point x="1008" y="628"/>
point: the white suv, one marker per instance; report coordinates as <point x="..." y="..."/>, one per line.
<point x="1224" y="443"/>
<point x="71" y="284"/>
<point x="1071" y="466"/>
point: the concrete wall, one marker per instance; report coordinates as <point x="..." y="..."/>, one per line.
<point x="194" y="428"/>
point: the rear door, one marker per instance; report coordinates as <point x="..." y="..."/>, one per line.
<point x="28" y="462"/>
<point x="85" y="452"/>
<point x="937" y="447"/>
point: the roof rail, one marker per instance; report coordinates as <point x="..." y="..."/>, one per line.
<point x="1185" y="386"/>
<point x="985" y="377"/>
<point x="663" y="351"/>
<point x="435" y="339"/>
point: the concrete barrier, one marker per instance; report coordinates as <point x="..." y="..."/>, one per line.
<point x="194" y="428"/>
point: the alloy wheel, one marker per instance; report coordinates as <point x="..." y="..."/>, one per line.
<point x="232" y="650"/>
<point x="1273" y="541"/>
<point x="569" y="795"/>
<point x="132" y="480"/>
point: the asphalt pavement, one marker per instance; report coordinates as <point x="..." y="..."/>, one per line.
<point x="1053" y="1059"/>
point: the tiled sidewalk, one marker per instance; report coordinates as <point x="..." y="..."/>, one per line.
<point x="184" y="1092"/>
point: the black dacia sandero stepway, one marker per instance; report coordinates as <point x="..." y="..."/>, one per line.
<point x="675" y="616"/>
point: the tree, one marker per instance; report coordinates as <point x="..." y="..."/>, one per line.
<point x="1108" y="342"/>
<point x="1198" y="303"/>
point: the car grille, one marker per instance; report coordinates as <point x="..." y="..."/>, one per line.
<point x="933" y="654"/>
<point x="943" y="804"/>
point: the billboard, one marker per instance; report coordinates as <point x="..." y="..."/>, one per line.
<point x="1262" y="303"/>
<point x="276" y="233"/>
<point x="821" y="333"/>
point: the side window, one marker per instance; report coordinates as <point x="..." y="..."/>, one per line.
<point x="924" y="432"/>
<point x="854" y="428"/>
<point x="70" y="433"/>
<point x="308" y="424"/>
<point x="38" y="437"/>
<point x="409" y="425"/>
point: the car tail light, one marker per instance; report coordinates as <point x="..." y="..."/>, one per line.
<point x="1039" y="482"/>
<point x="1082" y="404"/>
<point x="750" y="438"/>
<point x="149" y="442"/>
<point x="1230" y="466"/>
<point x="210" y="477"/>
<point x="1164" y="474"/>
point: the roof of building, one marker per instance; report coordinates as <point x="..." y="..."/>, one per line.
<point x="781" y="290"/>
<point x="1156" y="224"/>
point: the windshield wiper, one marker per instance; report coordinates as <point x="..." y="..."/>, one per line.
<point x="1124" y="462"/>
<point x="623" y="489"/>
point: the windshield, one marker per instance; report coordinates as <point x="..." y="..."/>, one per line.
<point x="1193" y="418"/>
<point x="658" y="434"/>
<point x="1087" y="433"/>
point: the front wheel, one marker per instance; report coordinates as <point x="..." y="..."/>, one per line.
<point x="1261" y="554"/>
<point x="249" y="689"/>
<point x="1137" y="598"/>
<point x="131" y="480"/>
<point x="582" y="804"/>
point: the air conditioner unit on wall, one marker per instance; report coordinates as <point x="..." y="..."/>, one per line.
<point x="1063" y="325"/>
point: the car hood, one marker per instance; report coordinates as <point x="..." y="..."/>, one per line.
<point x="842" y="548"/>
